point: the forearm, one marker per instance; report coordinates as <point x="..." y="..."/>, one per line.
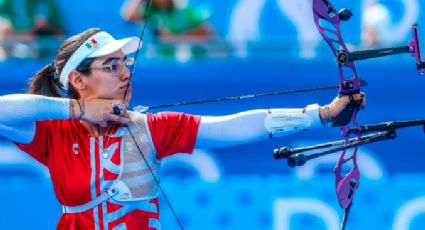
<point x="255" y="125"/>
<point x="22" y="108"/>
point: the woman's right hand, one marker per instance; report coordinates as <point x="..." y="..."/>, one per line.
<point x="99" y="111"/>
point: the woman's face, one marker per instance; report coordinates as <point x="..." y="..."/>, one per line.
<point x="109" y="77"/>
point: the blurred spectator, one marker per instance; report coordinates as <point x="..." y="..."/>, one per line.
<point x="28" y="26"/>
<point x="182" y="29"/>
<point x="376" y="24"/>
<point x="170" y="19"/>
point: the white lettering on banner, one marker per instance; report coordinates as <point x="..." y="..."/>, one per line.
<point x="246" y="17"/>
<point x="299" y="13"/>
<point x="284" y="209"/>
<point x="244" y="21"/>
<point x="202" y="162"/>
<point x="408" y="212"/>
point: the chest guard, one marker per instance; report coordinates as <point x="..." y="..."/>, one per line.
<point x="135" y="181"/>
<point x="138" y="163"/>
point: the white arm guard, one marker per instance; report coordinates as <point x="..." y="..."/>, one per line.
<point x="281" y="121"/>
<point x="254" y="125"/>
<point x="22" y="108"/>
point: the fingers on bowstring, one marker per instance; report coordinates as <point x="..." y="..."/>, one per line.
<point x="119" y="108"/>
<point x="118" y="118"/>
<point x="124" y="113"/>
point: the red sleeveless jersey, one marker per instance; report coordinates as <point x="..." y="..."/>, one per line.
<point x="79" y="171"/>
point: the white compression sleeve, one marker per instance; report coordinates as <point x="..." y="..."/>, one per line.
<point x="249" y="126"/>
<point x="17" y="109"/>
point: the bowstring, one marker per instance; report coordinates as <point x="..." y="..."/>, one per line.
<point x="147" y="17"/>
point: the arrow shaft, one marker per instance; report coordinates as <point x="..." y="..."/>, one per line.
<point x="232" y="98"/>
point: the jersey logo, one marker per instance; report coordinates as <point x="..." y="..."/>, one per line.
<point x="75" y="148"/>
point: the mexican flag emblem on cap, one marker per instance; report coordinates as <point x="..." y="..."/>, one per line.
<point x="92" y="44"/>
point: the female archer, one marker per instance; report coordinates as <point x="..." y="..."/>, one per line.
<point x="104" y="159"/>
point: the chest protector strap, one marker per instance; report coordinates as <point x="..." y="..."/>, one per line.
<point x="89" y="205"/>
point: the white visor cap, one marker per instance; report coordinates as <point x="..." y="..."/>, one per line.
<point x="100" y="44"/>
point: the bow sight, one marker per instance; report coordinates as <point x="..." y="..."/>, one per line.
<point x="413" y="48"/>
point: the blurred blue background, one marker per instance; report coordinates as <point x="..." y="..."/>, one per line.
<point x="261" y="46"/>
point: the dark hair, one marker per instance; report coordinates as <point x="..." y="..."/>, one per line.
<point x="46" y="80"/>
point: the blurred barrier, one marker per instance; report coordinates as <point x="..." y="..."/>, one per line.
<point x="249" y="202"/>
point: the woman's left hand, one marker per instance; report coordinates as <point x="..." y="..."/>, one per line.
<point x="341" y="109"/>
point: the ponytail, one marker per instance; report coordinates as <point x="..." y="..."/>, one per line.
<point x="45" y="82"/>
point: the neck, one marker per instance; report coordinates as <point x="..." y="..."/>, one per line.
<point x="96" y="130"/>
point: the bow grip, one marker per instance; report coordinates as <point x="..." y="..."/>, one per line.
<point x="345" y="116"/>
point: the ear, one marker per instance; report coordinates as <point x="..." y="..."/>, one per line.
<point x="77" y="80"/>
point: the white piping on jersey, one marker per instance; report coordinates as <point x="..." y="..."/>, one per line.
<point x="128" y="207"/>
<point x="93" y="178"/>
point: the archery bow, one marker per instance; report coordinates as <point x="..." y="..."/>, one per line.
<point x="346" y="185"/>
<point x="327" y="21"/>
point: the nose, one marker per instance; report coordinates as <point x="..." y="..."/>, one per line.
<point x="125" y="74"/>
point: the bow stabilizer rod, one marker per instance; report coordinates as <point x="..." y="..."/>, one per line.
<point x="383" y="131"/>
<point x="296" y="158"/>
